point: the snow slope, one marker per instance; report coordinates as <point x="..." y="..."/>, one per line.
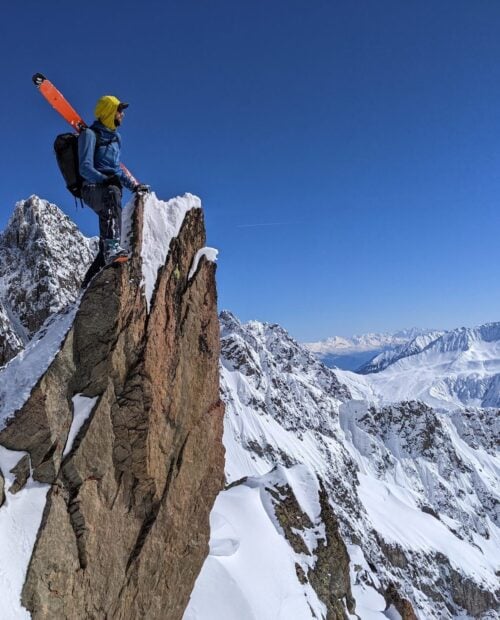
<point x="459" y="369"/>
<point x="416" y="490"/>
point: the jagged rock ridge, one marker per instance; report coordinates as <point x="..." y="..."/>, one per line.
<point x="147" y="458"/>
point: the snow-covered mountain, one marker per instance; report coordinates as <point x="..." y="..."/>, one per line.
<point x="393" y="354"/>
<point x="459" y="369"/>
<point x="345" y="496"/>
<point x="43" y="258"/>
<point x="355" y="352"/>
<point x="415" y="492"/>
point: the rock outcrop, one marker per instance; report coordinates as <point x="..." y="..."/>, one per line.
<point x="125" y="529"/>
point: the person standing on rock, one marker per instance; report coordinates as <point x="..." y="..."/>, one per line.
<point x="99" y="148"/>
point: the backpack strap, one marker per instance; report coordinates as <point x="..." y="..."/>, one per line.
<point x="100" y="140"/>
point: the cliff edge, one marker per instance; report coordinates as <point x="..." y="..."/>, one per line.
<point x="123" y="431"/>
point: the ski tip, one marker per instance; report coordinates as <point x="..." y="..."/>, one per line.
<point x="38" y="78"/>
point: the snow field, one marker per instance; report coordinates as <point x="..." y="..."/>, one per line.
<point x="250" y="571"/>
<point x="20" y="518"/>
<point x="18" y="377"/>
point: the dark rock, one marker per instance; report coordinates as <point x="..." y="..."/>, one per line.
<point x="2" y="489"/>
<point x="22" y="473"/>
<point x="430" y="511"/>
<point x="470" y="596"/>
<point x="330" y="576"/>
<point x="403" y="606"/>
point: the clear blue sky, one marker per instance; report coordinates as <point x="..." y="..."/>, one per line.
<point x="347" y="153"/>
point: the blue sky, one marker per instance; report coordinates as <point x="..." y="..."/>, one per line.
<point x="347" y="153"/>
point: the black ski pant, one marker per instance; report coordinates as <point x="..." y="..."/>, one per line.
<point x="106" y="201"/>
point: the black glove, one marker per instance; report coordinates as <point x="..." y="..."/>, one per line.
<point x="113" y="180"/>
<point x="140" y="188"/>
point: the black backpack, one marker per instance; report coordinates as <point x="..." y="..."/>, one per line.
<point x="66" y="150"/>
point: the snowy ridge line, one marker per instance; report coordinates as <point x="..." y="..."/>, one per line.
<point x="459" y="369"/>
<point x="364" y="342"/>
<point x="20" y="375"/>
<point x="162" y="222"/>
<point x="209" y="253"/>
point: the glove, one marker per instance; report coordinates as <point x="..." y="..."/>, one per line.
<point x="113" y="180"/>
<point x="140" y="188"/>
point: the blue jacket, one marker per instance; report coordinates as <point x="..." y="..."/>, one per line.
<point x="98" y="164"/>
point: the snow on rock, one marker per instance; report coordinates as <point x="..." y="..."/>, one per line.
<point x="162" y="222"/>
<point x="209" y="253"/>
<point x="19" y="376"/>
<point x="20" y="517"/>
<point x="82" y="408"/>
<point x="370" y="604"/>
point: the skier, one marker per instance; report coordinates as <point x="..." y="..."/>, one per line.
<point x="99" y="160"/>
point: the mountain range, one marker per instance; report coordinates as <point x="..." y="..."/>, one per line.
<point x="346" y="495"/>
<point x="357" y="352"/>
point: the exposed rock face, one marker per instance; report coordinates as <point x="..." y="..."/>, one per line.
<point x="2" y="487"/>
<point x="21" y="472"/>
<point x="43" y="258"/>
<point x="403" y="606"/>
<point x="329" y="575"/>
<point x="10" y="341"/>
<point x="125" y="530"/>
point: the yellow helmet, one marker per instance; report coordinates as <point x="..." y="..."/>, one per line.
<point x="106" y="108"/>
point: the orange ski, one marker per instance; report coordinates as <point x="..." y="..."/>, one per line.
<point x="58" y="102"/>
<point x="66" y="110"/>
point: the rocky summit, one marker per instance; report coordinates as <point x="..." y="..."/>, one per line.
<point x="43" y="258"/>
<point x="112" y="456"/>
